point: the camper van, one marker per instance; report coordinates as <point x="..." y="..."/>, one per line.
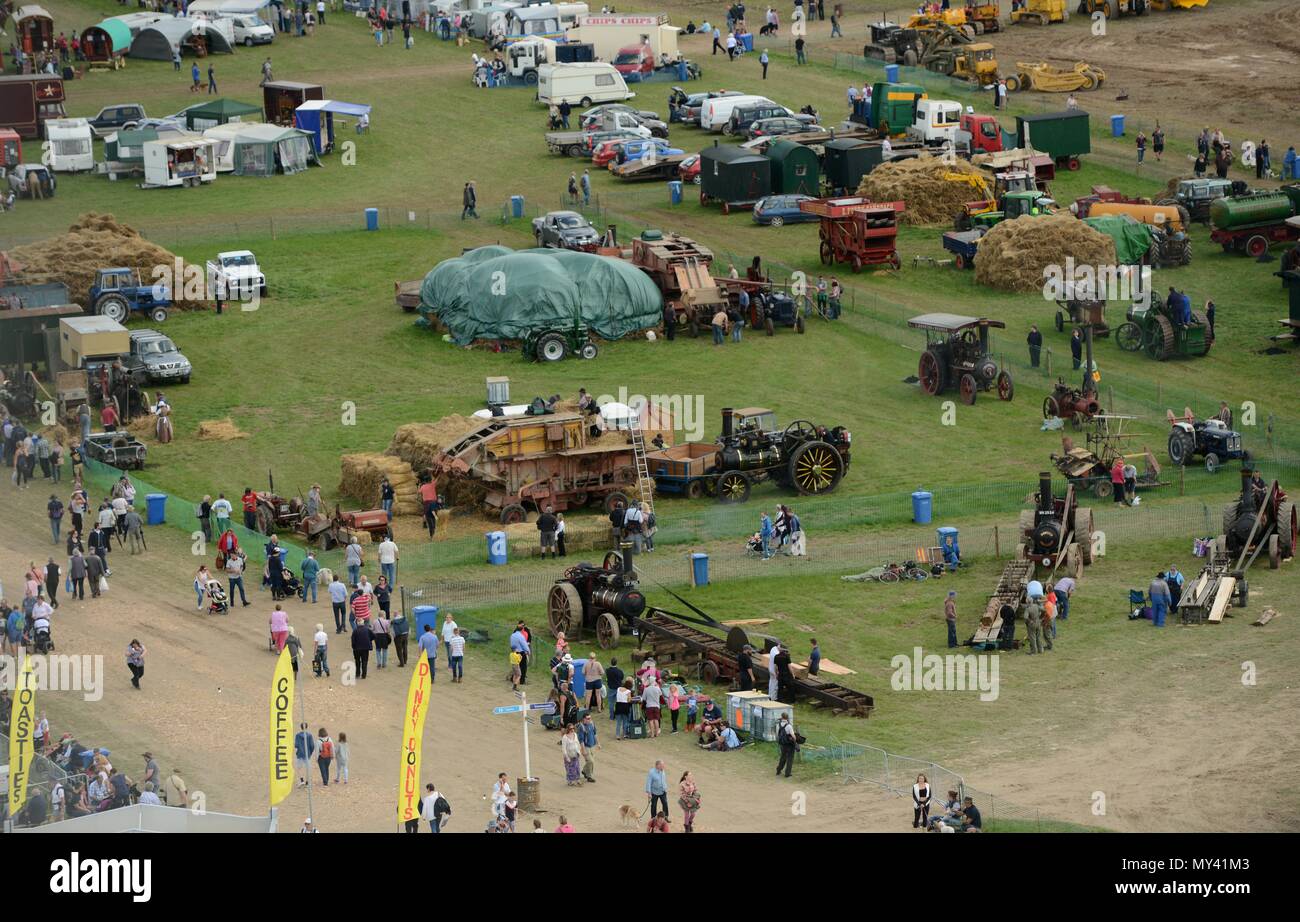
<point x="250" y="30"/>
<point x="179" y="162"/>
<point x="545" y="21"/>
<point x="580" y="84"/>
<point x="525" y="56"/>
<point x="70" y="149"/>
<point x="715" y="113"/>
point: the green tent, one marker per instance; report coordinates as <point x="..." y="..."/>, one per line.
<point x="494" y="293"/>
<point x="1132" y="238"/>
<point x="263" y="150"/>
<point x="218" y="112"/>
<point x="127" y="145"/>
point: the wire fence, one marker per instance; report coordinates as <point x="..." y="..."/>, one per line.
<point x="43" y="774"/>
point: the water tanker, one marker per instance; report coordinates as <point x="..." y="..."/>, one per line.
<point x="1249" y="223"/>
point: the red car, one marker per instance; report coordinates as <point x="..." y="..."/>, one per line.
<point x="607" y="151"/>
<point x="634" y="58"/>
<point x="689" y="169"/>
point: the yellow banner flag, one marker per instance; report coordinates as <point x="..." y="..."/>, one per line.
<point x="417" y="708"/>
<point x="22" y="724"/>
<point x="282" y="729"/>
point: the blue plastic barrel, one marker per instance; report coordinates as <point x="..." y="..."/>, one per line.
<point x="424" y="614"/>
<point x="921" y="503"/>
<point x="891" y="73"/>
<point x="681" y="70"/>
<point x="517" y="206"/>
<point x="157" y="512"/>
<point x="372" y="219"/>
<point x="699" y="569"/>
<point x="496" y="548"/>
<point x="1117" y="126"/>
<point x="747" y="40"/>
<point x="578" y="681"/>
<point x="675" y="192"/>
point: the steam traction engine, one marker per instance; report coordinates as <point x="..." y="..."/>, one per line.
<point x="1056" y="528"/>
<point x="809" y="458"/>
<point x="1261" y="518"/>
<point x="597" y="599"/>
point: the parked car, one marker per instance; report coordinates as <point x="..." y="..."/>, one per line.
<point x="250" y="30"/>
<point x="235" y="274"/>
<point x="116" y="449"/>
<point x="635" y="59"/>
<point x="779" y="125"/>
<point x="154" y="357"/>
<point x="587" y="115"/>
<point x="618" y="150"/>
<point x="111" y="118"/>
<point x="775" y="210"/>
<point x="566" y="230"/>
<point x="18" y="179"/>
<point x="685" y="108"/>
<point x="614" y="115"/>
<point x="743" y="116"/>
<point x="689" y="169"/>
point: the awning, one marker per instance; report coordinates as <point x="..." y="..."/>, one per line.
<point x="220" y="111"/>
<point x="356" y="110"/>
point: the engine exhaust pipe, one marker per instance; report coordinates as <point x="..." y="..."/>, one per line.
<point x="1045" y="492"/>
<point x="727" y="423"/>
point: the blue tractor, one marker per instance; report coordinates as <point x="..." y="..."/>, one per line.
<point x="118" y="292"/>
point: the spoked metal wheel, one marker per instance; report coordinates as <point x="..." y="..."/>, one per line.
<point x="1129" y="337"/>
<point x="1006" y="387"/>
<point x="968" y="389"/>
<point x="930" y="372"/>
<point x="607" y="631"/>
<point x="563" y="608"/>
<point x="733" y="487"/>
<point x="816" y="467"/>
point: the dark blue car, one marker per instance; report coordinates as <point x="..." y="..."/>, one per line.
<point x="775" y="210"/>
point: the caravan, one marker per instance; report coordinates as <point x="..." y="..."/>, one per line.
<point x="580" y="84"/>
<point x="545" y="21"/>
<point x="70" y="149"/>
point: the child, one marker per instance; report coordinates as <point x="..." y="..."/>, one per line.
<point x="515" y="674"/>
<point x="511" y="810"/>
<point x="674" y="704"/>
<point x="691" y="711"/>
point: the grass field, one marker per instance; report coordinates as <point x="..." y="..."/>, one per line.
<point x="329" y="337"/>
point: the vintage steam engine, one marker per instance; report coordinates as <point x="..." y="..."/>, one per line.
<point x="1056" y="527"/>
<point x="1261" y="518"/>
<point x="603" y="599"/>
<point x="809" y="458"/>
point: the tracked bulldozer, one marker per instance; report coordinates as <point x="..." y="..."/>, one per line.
<point x="1041" y="12"/>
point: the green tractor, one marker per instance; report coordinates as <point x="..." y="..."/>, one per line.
<point x="1165" y="328"/>
<point x="1014" y="205"/>
<point x="556" y="345"/>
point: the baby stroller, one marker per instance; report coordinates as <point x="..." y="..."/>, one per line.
<point x="217" y="602"/>
<point x="42" y="640"/>
<point x="292" y="585"/>
<point x="754" y="546"/>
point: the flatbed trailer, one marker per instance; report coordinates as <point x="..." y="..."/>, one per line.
<point x="644" y="168"/>
<point x="963" y="245"/>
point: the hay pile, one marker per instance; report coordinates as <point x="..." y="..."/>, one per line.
<point x="95" y="241"/>
<point x="363" y="473"/>
<point x="219" y="430"/>
<point x="419" y="443"/>
<point x="1014" y="254"/>
<point x="919" y="183"/>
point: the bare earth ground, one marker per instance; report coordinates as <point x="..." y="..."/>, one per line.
<point x="203" y="710"/>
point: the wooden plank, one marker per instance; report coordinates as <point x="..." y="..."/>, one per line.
<point x="830" y="668"/>
<point x="742" y="622"/>
<point x="1222" y="599"/>
<point x="1265" y="617"/>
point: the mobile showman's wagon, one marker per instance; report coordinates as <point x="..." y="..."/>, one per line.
<point x="856" y="231"/>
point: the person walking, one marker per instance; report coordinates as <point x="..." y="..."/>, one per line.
<point x="382" y="631"/>
<point x="1158" y="141"/>
<point x="362" y="640"/>
<point x="428" y="642"/>
<point x="656" y="788"/>
<point x="469" y="201"/>
<point x="52" y="574"/>
<point x="389" y="554"/>
<point x="763" y="60"/>
<point x="1034" y="626"/>
<point x="1035" y="342"/>
<point x="765" y="532"/>
<point x="789" y="745"/>
<point x="324" y="756"/>
<point x="54" y="509"/>
<point x="338" y="591"/>
<point x="688" y="798"/>
<point x="921" y="796"/>
<point x="320" y="652"/>
<point x="401" y="629"/>
<point x="341" y="756"/>
<point x="571" y="751"/>
<point x="77" y="573"/>
<point x="279" y="622"/>
<point x="457" y="656"/>
<point x="950" y="618"/>
<point x="135" y="653"/>
<point x="212" y="80"/>
<point x="586" y="188"/>
<point x="304" y="747"/>
<point x="1159" y="592"/>
<point x="651" y="701"/>
<point x="434" y="808"/>
<point x="353" y="558"/>
<point x="587" y="737"/>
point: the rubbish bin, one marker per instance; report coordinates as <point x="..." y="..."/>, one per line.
<point x="675" y="192"/>
<point x="1117" y="126"/>
<point x="921" y="503"/>
<point x="747" y="41"/>
<point x="372" y="219"/>
<point x="529" y="794"/>
<point x="699" y="569"/>
<point x="516" y="206"/>
<point x="424" y="614"/>
<point x="577" y="681"/>
<point x="891" y="73"/>
<point x="157" y="508"/>
<point x="496" y="548"/>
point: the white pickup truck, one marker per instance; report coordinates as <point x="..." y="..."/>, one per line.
<point x="235" y="275"/>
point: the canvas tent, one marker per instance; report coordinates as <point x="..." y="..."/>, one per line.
<point x="262" y="150"/>
<point x="218" y="112"/>
<point x="223" y="137"/>
<point x="127" y="145"/>
<point x="156" y="41"/>
<point x="549" y="289"/>
<point x="109" y="40"/>
<point x="316" y="117"/>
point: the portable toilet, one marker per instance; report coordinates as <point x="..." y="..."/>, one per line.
<point x="70" y="147"/>
<point x="795" y="170"/>
<point x="948" y="544"/>
<point x="733" y="176"/>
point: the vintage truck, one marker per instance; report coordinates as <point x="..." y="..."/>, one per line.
<point x="235" y="275"/>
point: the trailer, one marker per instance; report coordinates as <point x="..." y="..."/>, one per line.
<point x="648" y="167"/>
<point x="1251" y="223"/>
<point x="856" y="231"/>
<point x="1064" y="136"/>
<point x="179" y="162"/>
<point x="28" y="100"/>
<point x="281" y="98"/>
<point x="609" y="33"/>
<point x="963" y="245"/>
<point x="733" y="176"/>
<point x="687" y="470"/>
<point x="70" y="145"/>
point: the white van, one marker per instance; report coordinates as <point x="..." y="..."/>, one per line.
<point x="251" y="30"/>
<point x="715" y="113"/>
<point x="70" y="147"/>
<point x="580" y="84"/>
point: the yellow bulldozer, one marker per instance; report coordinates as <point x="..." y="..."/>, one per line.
<point x="1041" y="76"/>
<point x="1114" y="9"/>
<point x="1042" y="12"/>
<point x="1164" y="5"/>
<point x="984" y="15"/>
<point x="949" y="50"/>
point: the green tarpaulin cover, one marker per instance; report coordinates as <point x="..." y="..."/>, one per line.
<point x="1132" y="238"/>
<point x="494" y="292"/>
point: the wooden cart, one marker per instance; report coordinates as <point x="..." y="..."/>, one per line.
<point x="856" y="231"/>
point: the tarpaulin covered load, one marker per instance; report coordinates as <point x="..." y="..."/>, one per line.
<point x="494" y="292"/>
<point x="1132" y="238"/>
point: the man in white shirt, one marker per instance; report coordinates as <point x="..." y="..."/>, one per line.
<point x="353" y="557"/>
<point x="448" y="632"/>
<point x="456" y="654"/>
<point x="388" y="557"/>
<point x="321" y="653"/>
<point x="771" y="671"/>
<point x="222" y="509"/>
<point x="634" y="525"/>
<point x="429" y="808"/>
<point x="147" y="796"/>
<point x="339" y="602"/>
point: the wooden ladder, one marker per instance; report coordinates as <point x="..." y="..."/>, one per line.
<point x="642" y="470"/>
